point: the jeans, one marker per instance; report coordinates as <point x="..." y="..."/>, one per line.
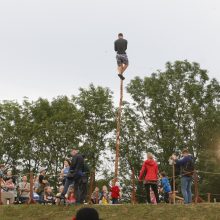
<point x="114" y="201"/>
<point x="75" y="183"/>
<point x="68" y="182"/>
<point x="186" y="183"/>
<point x="155" y="190"/>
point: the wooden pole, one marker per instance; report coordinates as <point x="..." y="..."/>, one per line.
<point x="174" y="185"/>
<point x="1" y="203"/>
<point x="209" y="197"/>
<point x="196" y="186"/>
<point x="31" y="200"/>
<point x="118" y="130"/>
<point x="92" y="177"/>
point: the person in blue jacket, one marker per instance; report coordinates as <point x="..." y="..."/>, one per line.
<point x="166" y="186"/>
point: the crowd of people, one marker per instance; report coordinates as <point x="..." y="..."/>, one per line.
<point x="72" y="186"/>
<point x="73" y="180"/>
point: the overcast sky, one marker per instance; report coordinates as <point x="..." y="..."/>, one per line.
<point x="53" y="47"/>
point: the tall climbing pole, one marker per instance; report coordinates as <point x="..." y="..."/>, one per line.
<point x="118" y="131"/>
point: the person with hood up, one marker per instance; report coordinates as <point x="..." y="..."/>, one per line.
<point x="149" y="172"/>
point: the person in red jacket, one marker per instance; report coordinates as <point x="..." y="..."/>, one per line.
<point x="149" y="172"/>
<point x="115" y="192"/>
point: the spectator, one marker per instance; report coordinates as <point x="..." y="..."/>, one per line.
<point x="150" y="167"/>
<point x="75" y="174"/>
<point x="104" y="200"/>
<point x="65" y="171"/>
<point x="8" y="188"/>
<point x="58" y="199"/>
<point x="186" y="164"/>
<point x="95" y="196"/>
<point x="115" y="192"/>
<point x="86" y="213"/>
<point x="48" y="195"/>
<point x="165" y="186"/>
<point x="43" y="182"/>
<point x="36" y="197"/>
<point x="24" y="190"/>
<point x="6" y="192"/>
<point x="70" y="196"/>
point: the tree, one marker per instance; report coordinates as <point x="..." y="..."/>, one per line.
<point x="172" y="103"/>
<point x="96" y="106"/>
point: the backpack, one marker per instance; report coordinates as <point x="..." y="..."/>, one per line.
<point x="189" y="168"/>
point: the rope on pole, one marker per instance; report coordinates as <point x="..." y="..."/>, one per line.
<point x="118" y="130"/>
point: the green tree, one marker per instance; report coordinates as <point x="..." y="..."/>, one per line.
<point x="172" y="103"/>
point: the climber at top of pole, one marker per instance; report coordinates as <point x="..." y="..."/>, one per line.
<point x="121" y="57"/>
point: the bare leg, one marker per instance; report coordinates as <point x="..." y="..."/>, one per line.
<point x="124" y="67"/>
<point x="120" y="68"/>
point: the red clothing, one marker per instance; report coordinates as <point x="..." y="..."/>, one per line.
<point x="150" y="170"/>
<point x="115" y="192"/>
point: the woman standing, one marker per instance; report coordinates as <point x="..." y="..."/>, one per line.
<point x="149" y="172"/>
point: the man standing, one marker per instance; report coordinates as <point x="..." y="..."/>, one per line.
<point x="187" y="169"/>
<point x="75" y="173"/>
<point x="121" y="57"/>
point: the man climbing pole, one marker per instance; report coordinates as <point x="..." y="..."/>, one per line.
<point x="121" y="57"/>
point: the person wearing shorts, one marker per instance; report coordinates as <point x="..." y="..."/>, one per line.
<point x="121" y="57"/>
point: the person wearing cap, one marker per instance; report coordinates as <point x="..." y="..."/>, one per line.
<point x="43" y="182"/>
<point x="75" y="174"/>
<point x="186" y="164"/>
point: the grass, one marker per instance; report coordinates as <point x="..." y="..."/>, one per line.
<point x="125" y="212"/>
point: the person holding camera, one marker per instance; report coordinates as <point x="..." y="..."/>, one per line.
<point x="186" y="164"/>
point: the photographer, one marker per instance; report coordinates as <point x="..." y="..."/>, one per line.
<point x="186" y="164"/>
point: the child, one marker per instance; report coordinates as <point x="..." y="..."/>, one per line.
<point x="36" y="197"/>
<point x="115" y="192"/>
<point x="166" y="186"/>
<point x="58" y="199"/>
<point x="152" y="197"/>
<point x="48" y="195"/>
<point x="104" y="196"/>
<point x="70" y="196"/>
<point x="95" y="196"/>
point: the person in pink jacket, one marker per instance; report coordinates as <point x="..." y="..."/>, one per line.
<point x="149" y="172"/>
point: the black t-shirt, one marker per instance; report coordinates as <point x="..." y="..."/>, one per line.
<point x="121" y="46"/>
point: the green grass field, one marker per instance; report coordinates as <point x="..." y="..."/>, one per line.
<point x="127" y="212"/>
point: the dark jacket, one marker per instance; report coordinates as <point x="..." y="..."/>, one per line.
<point x="186" y="165"/>
<point x="77" y="163"/>
<point x="121" y="46"/>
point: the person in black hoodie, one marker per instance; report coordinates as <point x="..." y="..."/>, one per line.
<point x="75" y="173"/>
